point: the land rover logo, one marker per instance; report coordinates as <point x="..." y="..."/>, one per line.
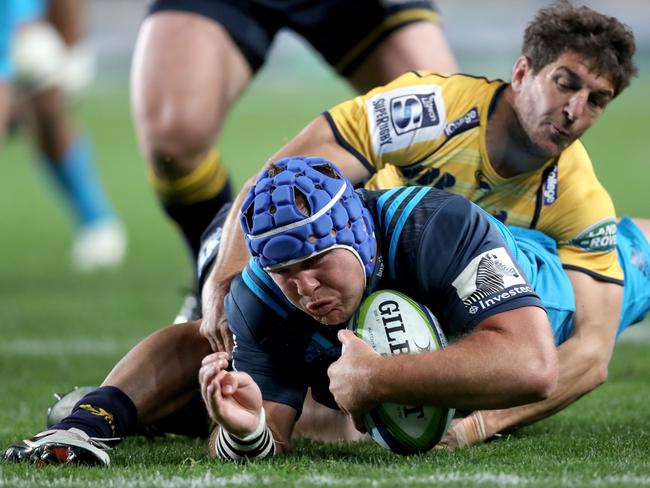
<point x="599" y="237"/>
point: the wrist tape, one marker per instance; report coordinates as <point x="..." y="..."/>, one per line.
<point x="256" y="445"/>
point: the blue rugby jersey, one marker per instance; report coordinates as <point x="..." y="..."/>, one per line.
<point x="436" y="247"/>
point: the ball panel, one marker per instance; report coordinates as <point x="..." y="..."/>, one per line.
<point x="393" y="323"/>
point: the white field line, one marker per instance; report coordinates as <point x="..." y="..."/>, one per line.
<point x="214" y="480"/>
<point x="64" y="347"/>
<point x="90" y="346"/>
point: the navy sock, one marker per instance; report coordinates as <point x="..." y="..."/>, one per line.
<point x="106" y="412"/>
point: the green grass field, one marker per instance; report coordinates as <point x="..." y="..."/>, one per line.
<point x="61" y="329"/>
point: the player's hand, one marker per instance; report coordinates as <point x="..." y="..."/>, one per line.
<point x="214" y="326"/>
<point x="466" y="432"/>
<point x="233" y="399"/>
<point x="349" y="377"/>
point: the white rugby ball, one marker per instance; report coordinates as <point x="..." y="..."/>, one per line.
<point x="392" y="323"/>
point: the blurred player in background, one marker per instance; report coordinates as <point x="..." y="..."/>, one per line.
<point x="194" y="58"/>
<point x="53" y="61"/>
<point x="6" y="36"/>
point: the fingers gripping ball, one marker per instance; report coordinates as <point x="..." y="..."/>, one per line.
<point x="301" y="207"/>
<point x="392" y="324"/>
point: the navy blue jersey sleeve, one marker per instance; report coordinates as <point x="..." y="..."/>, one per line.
<point x="260" y="350"/>
<point x="459" y="263"/>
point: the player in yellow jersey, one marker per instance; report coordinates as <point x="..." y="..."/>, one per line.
<point x="512" y="148"/>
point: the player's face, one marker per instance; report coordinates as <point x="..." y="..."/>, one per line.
<point x="556" y="105"/>
<point x="328" y="287"/>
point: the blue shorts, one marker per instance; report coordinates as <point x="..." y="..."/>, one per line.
<point x="634" y="257"/>
<point x="537" y="257"/>
<point x="344" y="32"/>
<point x="13" y="13"/>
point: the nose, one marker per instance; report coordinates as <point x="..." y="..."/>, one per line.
<point x="576" y="105"/>
<point x="306" y="283"/>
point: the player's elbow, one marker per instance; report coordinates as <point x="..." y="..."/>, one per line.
<point x="541" y="376"/>
<point x="597" y="364"/>
<point x="539" y="373"/>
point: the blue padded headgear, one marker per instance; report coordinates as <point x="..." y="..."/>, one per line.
<point x="278" y="233"/>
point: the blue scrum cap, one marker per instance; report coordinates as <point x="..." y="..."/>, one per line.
<point x="301" y="207"/>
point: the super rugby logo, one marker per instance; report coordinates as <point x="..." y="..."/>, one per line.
<point x="598" y="237"/>
<point x="410" y="112"/>
<point x="391" y="318"/>
<point x="405" y="116"/>
<point x="489" y="279"/>
<point x="382" y="121"/>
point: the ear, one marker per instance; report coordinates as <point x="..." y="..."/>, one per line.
<point x="519" y="72"/>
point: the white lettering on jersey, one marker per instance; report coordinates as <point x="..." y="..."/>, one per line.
<point x="489" y="279"/>
<point x="405" y="116"/>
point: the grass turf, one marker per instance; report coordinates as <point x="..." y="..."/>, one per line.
<point x="62" y="329"/>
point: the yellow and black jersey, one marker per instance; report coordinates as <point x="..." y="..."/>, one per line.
<point x="429" y="129"/>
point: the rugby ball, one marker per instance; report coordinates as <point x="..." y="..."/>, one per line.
<point x="392" y="323"/>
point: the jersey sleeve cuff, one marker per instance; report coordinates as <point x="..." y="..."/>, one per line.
<point x="593" y="274"/>
<point x="346" y="145"/>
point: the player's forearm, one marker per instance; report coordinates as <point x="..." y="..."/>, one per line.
<point x="232" y="255"/>
<point x="583" y="367"/>
<point x="490" y="367"/>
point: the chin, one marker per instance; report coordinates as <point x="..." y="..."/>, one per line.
<point x="334" y="319"/>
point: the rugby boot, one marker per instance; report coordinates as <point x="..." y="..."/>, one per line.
<point x="71" y="446"/>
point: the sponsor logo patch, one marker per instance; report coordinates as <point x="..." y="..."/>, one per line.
<point x="405" y="116"/>
<point x="550" y="187"/>
<point x="410" y="112"/>
<point x="489" y="279"/>
<point x="467" y="121"/>
<point x="599" y="237"/>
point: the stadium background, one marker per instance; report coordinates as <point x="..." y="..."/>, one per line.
<point x="60" y="328"/>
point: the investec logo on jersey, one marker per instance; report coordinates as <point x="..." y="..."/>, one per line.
<point x="405" y="116"/>
<point x="489" y="279"/>
<point x="598" y="237"/>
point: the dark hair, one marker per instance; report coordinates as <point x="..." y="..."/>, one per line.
<point x="606" y="44"/>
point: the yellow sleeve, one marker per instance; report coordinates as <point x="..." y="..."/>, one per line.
<point x="580" y="214"/>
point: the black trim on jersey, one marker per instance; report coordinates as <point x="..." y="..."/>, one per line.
<point x="540" y="196"/>
<point x="346" y="145"/>
<point x="593" y="274"/>
<point x="442" y="75"/>
<point x="495" y="98"/>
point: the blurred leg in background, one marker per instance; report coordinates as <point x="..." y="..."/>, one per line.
<point x="194" y="58"/>
<point x="54" y="62"/>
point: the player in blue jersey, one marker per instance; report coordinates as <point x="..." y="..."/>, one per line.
<point x="284" y="351"/>
<point x="51" y="60"/>
<point x="194" y="58"/>
<point x="6" y="28"/>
